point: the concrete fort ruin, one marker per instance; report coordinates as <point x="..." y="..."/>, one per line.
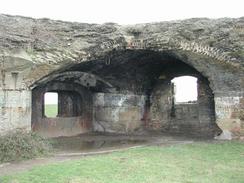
<point x="117" y="79"/>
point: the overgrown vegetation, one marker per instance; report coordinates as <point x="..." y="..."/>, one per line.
<point x="198" y="162"/>
<point x="21" y="145"/>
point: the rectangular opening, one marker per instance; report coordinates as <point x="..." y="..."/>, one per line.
<point x="51" y="104"/>
<point x="185" y="89"/>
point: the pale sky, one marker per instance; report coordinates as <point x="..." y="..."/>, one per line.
<point x="51" y="98"/>
<point x="186" y="88"/>
<point x="122" y="11"/>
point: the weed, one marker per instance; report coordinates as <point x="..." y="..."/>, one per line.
<point x="21" y="145"/>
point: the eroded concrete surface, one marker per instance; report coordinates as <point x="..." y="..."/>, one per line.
<point x="116" y="79"/>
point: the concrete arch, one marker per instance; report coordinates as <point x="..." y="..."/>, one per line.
<point x="82" y="78"/>
<point x="69" y="121"/>
<point x="206" y="66"/>
<point x="220" y="70"/>
<point x="43" y="47"/>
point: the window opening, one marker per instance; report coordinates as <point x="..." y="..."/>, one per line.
<point x="185" y="89"/>
<point x="51" y="104"/>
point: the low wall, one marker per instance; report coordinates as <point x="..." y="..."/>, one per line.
<point x="64" y="126"/>
<point x="185" y="119"/>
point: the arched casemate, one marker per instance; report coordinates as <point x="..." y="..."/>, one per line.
<point x="112" y="78"/>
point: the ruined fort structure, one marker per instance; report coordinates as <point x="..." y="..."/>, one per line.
<point x="112" y="78"/>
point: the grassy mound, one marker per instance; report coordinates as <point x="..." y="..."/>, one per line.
<point x="21" y="145"/>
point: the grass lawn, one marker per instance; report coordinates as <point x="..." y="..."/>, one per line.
<point x="51" y="110"/>
<point x="198" y="162"/>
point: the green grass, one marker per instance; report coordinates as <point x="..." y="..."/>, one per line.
<point x="51" y="110"/>
<point x="198" y="162"/>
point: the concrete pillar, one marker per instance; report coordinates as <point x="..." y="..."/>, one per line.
<point x="229" y="116"/>
<point x="15" y="110"/>
<point x="118" y="113"/>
